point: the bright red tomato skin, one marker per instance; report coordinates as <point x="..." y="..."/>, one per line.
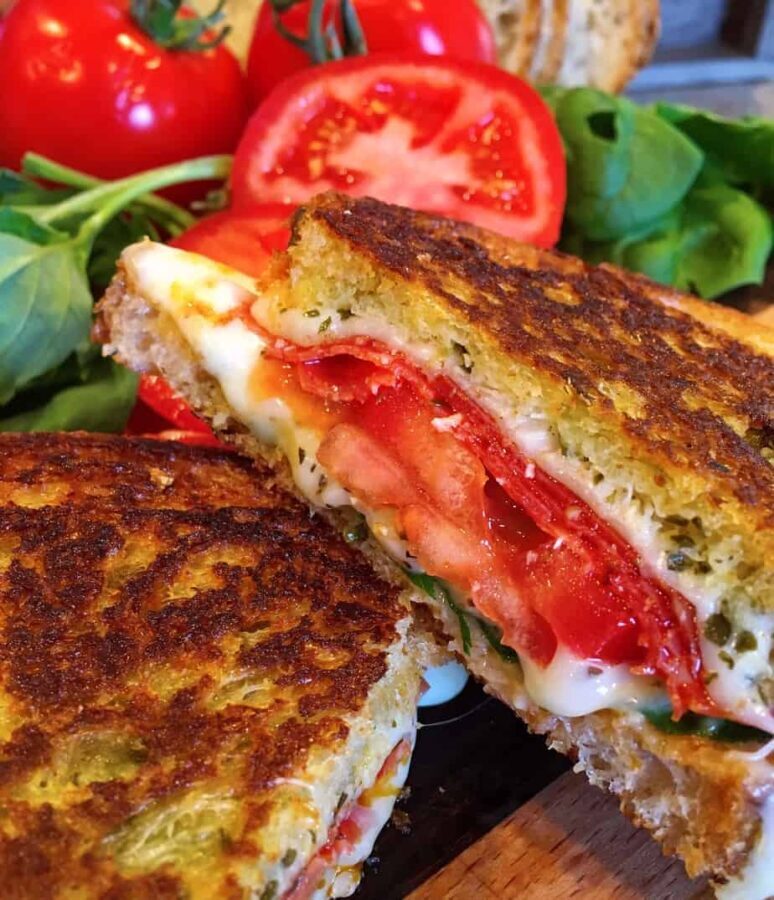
<point x="527" y="197"/>
<point x="243" y="240"/>
<point x="390" y="26"/>
<point x="91" y="90"/>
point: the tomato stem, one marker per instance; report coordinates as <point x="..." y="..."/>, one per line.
<point x="321" y="42"/>
<point x="161" y="20"/>
<point x="106" y="200"/>
<point x="171" y="214"/>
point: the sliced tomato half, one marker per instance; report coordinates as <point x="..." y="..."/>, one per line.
<point x="243" y="240"/>
<point x="464" y="140"/>
<point x="533" y="557"/>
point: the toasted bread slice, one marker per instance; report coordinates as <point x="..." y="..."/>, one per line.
<point x="616" y="364"/>
<point x="198" y="680"/>
<point x="600" y="43"/>
<point x="547" y="59"/>
<point x="517" y="28"/>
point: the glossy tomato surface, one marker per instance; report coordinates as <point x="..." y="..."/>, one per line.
<point x="463" y="140"/>
<point x="436" y="27"/>
<point x="243" y="240"/>
<point x="80" y="83"/>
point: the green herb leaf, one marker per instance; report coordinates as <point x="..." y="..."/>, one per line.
<point x="626" y="166"/>
<point x="435" y="588"/>
<point x="742" y="149"/>
<point x="702" y="726"/>
<point x="718" y="239"/>
<point x="493" y="636"/>
<point x="23" y="225"/>
<point x="102" y="403"/>
<point x="45" y="309"/>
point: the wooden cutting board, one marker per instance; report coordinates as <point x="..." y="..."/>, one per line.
<point x="568" y="841"/>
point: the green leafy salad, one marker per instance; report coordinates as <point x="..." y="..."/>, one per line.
<point x="681" y="195"/>
<point x="58" y="249"/>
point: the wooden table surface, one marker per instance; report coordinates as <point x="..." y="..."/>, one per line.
<point x="568" y="841"/>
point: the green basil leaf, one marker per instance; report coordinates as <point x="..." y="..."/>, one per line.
<point x="626" y="166"/>
<point x="702" y="726"/>
<point x="119" y="233"/>
<point x="45" y="309"/>
<point x="723" y="240"/>
<point x="742" y="149"/>
<point x="493" y="636"/>
<point x="23" y="225"/>
<point x="103" y="404"/>
<point x="433" y="587"/>
<point x="717" y="240"/>
<point x="76" y="369"/>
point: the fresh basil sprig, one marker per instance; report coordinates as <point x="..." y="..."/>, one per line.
<point x="47" y="248"/>
<point x="675" y="193"/>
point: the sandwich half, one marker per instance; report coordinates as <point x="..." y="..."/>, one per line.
<point x="573" y="463"/>
<point x="204" y="692"/>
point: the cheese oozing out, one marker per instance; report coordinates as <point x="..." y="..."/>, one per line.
<point x="199" y="296"/>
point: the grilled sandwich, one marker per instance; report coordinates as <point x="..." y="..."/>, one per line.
<point x="573" y="463"/>
<point x="205" y="693"/>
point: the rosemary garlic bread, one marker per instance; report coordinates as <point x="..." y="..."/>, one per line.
<point x="205" y="693"/>
<point x="572" y="462"/>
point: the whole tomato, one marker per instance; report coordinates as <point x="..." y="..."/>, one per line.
<point x="113" y="87"/>
<point x="435" y="27"/>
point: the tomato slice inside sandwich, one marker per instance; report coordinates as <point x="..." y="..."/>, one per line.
<point x="465" y="140"/>
<point x="532" y="557"/>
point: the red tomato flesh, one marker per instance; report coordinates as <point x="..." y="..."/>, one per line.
<point x="533" y="557"/>
<point x="463" y="140"/>
<point x="243" y="240"/>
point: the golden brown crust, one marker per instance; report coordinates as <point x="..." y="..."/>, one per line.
<point x="698" y="797"/>
<point x="171" y="624"/>
<point x="705" y="407"/>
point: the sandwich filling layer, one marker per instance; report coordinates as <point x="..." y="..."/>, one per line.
<point x="448" y="493"/>
<point x="336" y="869"/>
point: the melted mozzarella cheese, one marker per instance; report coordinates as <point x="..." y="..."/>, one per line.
<point x="570" y="686"/>
<point x="734" y="687"/>
<point x="198" y="295"/>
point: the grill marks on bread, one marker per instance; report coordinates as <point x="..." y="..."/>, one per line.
<point x="171" y="605"/>
<point x="684" y="391"/>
